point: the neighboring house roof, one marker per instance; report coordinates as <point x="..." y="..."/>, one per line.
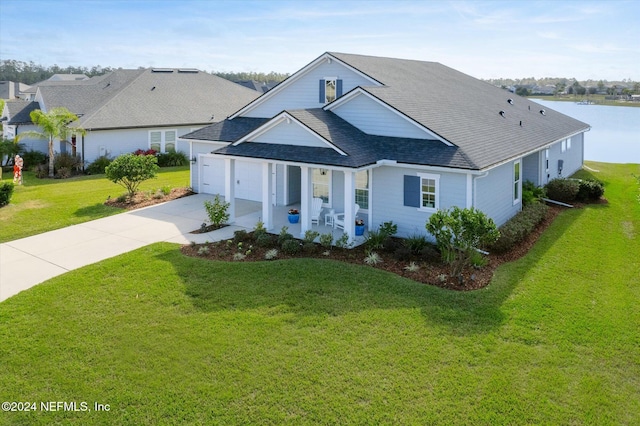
<point x="18" y="112"/>
<point x="488" y="125"/>
<point x="147" y="98"/>
<point x="12" y="89"/>
<point x="68" y="77"/>
<point x="227" y="130"/>
<point x="360" y="148"/>
<point x="258" y="86"/>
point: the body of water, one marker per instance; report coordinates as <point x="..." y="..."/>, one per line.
<point x="615" y="130"/>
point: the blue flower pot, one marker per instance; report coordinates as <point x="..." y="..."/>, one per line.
<point x="294" y="218"/>
<point x="359" y="229"/>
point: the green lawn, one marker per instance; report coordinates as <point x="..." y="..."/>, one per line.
<point x="42" y="205"/>
<point x="166" y="339"/>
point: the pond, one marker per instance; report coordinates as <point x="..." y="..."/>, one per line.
<point x="615" y="130"/>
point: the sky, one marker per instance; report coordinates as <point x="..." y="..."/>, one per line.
<point x="486" y="39"/>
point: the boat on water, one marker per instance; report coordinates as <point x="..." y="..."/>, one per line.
<point x="585" y="102"/>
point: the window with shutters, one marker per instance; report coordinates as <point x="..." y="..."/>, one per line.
<point x="429" y="191"/>
<point x="330" y="89"/>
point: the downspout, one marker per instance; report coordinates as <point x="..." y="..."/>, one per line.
<point x="475" y="186"/>
<point x="83" y="153"/>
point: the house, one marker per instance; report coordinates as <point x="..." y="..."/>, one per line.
<point x="16" y="118"/>
<point x="10" y="90"/>
<point x="400" y="138"/>
<point x="125" y="110"/>
<point x="261" y="87"/>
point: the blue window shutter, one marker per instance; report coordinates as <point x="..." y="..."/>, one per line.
<point x="411" y="191"/>
<point x="338" y="88"/>
<point x="322" y="97"/>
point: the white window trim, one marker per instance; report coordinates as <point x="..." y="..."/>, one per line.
<point x="163" y="135"/>
<point x="436" y="178"/>
<point x="335" y="80"/>
<point x="514" y="181"/>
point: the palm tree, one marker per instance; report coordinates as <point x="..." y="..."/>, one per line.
<point x="54" y="125"/>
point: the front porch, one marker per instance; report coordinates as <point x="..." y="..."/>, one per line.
<point x="252" y="213"/>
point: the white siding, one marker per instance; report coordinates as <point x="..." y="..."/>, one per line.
<point x="303" y="92"/>
<point x="531" y="168"/>
<point x="35" y="144"/>
<point x="494" y="194"/>
<point x="375" y="119"/>
<point x="117" y="142"/>
<point x="388" y="198"/>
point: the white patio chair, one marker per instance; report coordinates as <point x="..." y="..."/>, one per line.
<point x="338" y="220"/>
<point x="316" y="209"/>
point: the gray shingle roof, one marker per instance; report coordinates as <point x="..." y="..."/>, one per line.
<point x="19" y="112"/>
<point x="227" y="130"/>
<point x="463" y="110"/>
<point x="361" y="149"/>
<point x="148" y="98"/>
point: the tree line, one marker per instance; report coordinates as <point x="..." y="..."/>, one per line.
<point x="30" y="72"/>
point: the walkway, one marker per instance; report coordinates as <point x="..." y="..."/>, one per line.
<point x="32" y="260"/>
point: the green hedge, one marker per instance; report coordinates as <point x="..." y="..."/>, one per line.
<point x="519" y="226"/>
<point x="6" y="191"/>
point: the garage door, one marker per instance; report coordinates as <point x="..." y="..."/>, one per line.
<point x="248" y="178"/>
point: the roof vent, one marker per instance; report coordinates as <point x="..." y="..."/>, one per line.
<point x="188" y="70"/>
<point x="510" y="101"/>
<point x="153" y="88"/>
<point x="543" y="112"/>
<point x="502" y="113"/>
<point x="167" y="70"/>
<point x="520" y="123"/>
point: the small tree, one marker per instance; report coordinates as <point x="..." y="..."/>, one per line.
<point x="459" y="232"/>
<point x="218" y="211"/>
<point x="131" y="170"/>
<point x="54" y="125"/>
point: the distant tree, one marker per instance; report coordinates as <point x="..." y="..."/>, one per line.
<point x="592" y="90"/>
<point x="54" y="125"/>
<point x="636" y="88"/>
<point x="523" y="91"/>
<point x="601" y="86"/>
<point x="559" y="88"/>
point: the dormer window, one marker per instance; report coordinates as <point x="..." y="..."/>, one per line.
<point x="330" y="89"/>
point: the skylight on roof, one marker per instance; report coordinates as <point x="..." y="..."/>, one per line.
<point x="188" y="70"/>
<point x="165" y="70"/>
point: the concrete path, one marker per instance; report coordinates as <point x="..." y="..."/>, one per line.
<point x="32" y="260"/>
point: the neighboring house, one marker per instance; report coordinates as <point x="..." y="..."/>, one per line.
<point x="16" y="119"/>
<point x="10" y="90"/>
<point x="125" y="110"/>
<point x="401" y="138"/>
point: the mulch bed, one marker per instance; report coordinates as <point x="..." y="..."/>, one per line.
<point x="145" y="199"/>
<point x="431" y="269"/>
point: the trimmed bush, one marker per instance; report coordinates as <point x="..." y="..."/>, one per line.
<point x="291" y="246"/>
<point x="416" y="243"/>
<point x="590" y="190"/>
<point x="531" y="193"/>
<point x="519" y="226"/>
<point x="6" y="191"/>
<point x="173" y="158"/>
<point x="99" y="165"/>
<point x="32" y="158"/>
<point x="131" y="170"/>
<point x="561" y="189"/>
<point x="263" y="240"/>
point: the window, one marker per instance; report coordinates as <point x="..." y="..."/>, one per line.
<point x="362" y="189"/>
<point x="516" y="182"/>
<point x="321" y="181"/>
<point x="161" y="141"/>
<point x="429" y="197"/>
<point x="569" y="143"/>
<point x="330" y="89"/>
<point x="564" y="145"/>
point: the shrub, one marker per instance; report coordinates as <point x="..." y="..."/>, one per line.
<point x="271" y="254"/>
<point x="41" y="171"/>
<point x="343" y="241"/>
<point x="531" y="193"/>
<point x="32" y="158"/>
<point x="519" y="226"/>
<point x="9" y="149"/>
<point x="326" y="240"/>
<point x="291" y="246"/>
<point x="203" y="250"/>
<point x="63" y="173"/>
<point x="67" y="161"/>
<point x="561" y="189"/>
<point x="6" y="191"/>
<point x="98" y="165"/>
<point x="166" y="190"/>
<point x="374" y="240"/>
<point x="284" y="235"/>
<point x="459" y="232"/>
<point x="389" y="228"/>
<point x="218" y="211"/>
<point x="263" y="240"/>
<point x="590" y="190"/>
<point x="412" y="267"/>
<point x="239" y="236"/>
<point x="310" y="236"/>
<point x="170" y="159"/>
<point x="416" y="243"/>
<point x="131" y="170"/>
<point x="373" y="258"/>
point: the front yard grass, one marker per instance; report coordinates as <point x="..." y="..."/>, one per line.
<point x="42" y="205"/>
<point x="167" y="339"/>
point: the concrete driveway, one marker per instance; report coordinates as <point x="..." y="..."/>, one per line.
<point x="32" y="260"/>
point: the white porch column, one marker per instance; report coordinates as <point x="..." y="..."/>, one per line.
<point x="349" y="204"/>
<point x="230" y="187"/>
<point x="267" y="189"/>
<point x="306" y="194"/>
